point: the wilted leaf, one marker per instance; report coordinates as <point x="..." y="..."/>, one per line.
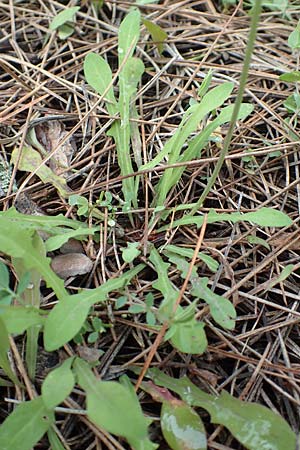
<point x="31" y="161"/>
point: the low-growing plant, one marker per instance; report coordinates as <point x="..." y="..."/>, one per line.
<point x="63" y="22"/>
<point x="114" y="405"/>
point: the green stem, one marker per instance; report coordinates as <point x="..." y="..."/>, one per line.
<point x="240" y="94"/>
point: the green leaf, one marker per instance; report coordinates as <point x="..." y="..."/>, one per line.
<point x="264" y="217"/>
<point x="189" y="337"/>
<point x="68" y="316"/>
<point x="55" y="242"/>
<point x="64" y="31"/>
<point x="19" y="243"/>
<point x="181" y="426"/>
<point x="290" y="76"/>
<point x="54" y="440"/>
<point x="145" y="2"/>
<point x="129" y="77"/>
<point x="113" y="407"/>
<point x="294" y="39"/>
<point x="286" y="272"/>
<point x="58" y="384"/>
<point x="18" y="319"/>
<point x="4" y="276"/>
<point x="158" y="35"/>
<point x="31" y="297"/>
<point x="25" y="426"/>
<point x="4" y="347"/>
<point x="41" y="223"/>
<point x="31" y="161"/>
<point x="204" y="86"/>
<point x="129" y="33"/>
<point x="98" y="74"/>
<point x="23" y="283"/>
<point x="136" y="309"/>
<point x="253" y="425"/>
<point x="164" y="285"/>
<point x="171" y="176"/>
<point x="189" y="124"/>
<point x="131" y="252"/>
<point x="292" y="103"/>
<point x="258" y="241"/>
<point x="221" y="309"/>
<point x="63" y="17"/>
<point x="189" y="253"/>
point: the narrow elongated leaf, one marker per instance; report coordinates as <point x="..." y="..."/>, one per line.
<point x="171" y="176"/>
<point x="255" y="426"/>
<point x="25" y="426"/>
<point x="182" y="427"/>
<point x="286" y="272"/>
<point x="264" y="217"/>
<point x="98" y="74"/>
<point x="4" y="276"/>
<point x="67" y="317"/>
<point x="55" y="242"/>
<point x="54" y="440"/>
<point x="290" y="76"/>
<point x="189" y="123"/>
<point x="112" y="406"/>
<point x="129" y="33"/>
<point x="189" y="253"/>
<point x="4" y="347"/>
<point x="63" y="17"/>
<point x="58" y="384"/>
<point x="164" y="285"/>
<point x="31" y="297"/>
<point x="45" y="223"/>
<point x="129" y="77"/>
